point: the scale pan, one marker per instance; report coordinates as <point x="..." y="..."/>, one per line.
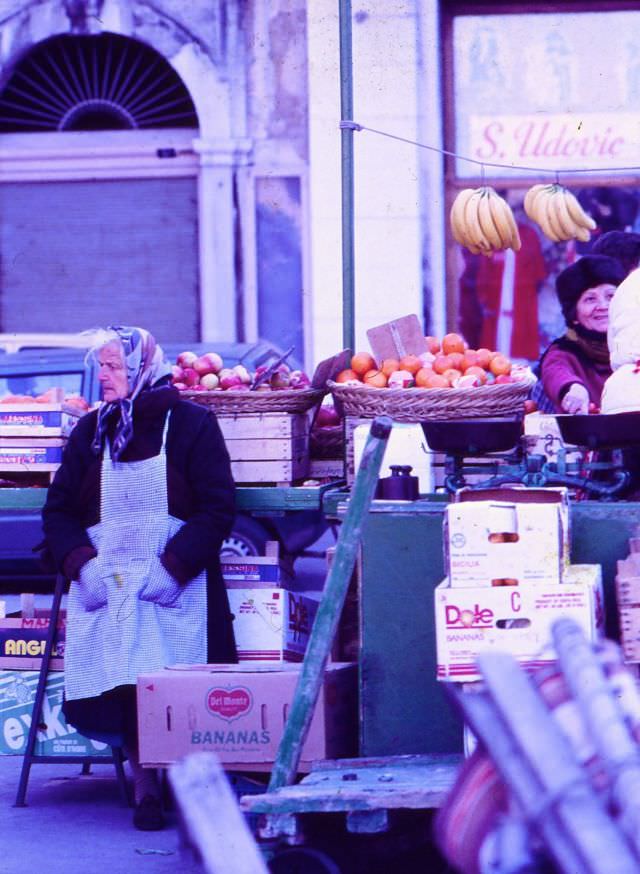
<point x="601" y="430"/>
<point x="472" y="436"/>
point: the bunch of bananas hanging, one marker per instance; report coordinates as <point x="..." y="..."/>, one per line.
<point x="482" y="221"/>
<point x="558" y="213"/>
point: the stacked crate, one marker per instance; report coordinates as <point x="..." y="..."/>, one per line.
<point x="32" y="437"/>
<point x="267" y="447"/>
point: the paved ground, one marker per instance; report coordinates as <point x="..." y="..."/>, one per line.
<point x="76" y="824"/>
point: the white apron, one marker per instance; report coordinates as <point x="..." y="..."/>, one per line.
<point x="110" y="645"/>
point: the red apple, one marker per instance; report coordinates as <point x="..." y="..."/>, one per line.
<point x="215" y="361"/>
<point x="242" y="386"/>
<point x="299" y="379"/>
<point x="186" y="359"/>
<point x="190" y="376"/>
<point x="210" y="381"/>
<point x="504" y="379"/>
<point x="181" y="386"/>
<point x="327" y="416"/>
<point x="176" y="373"/>
<point x="280" y="379"/>
<point x="230" y="381"/>
<point x="241" y="371"/>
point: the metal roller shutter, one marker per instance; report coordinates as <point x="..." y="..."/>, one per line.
<point x="75" y="255"/>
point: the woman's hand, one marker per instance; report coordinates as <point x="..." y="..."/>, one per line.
<point x="576" y="400"/>
<point x="93" y="590"/>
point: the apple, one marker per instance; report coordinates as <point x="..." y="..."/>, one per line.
<point x="504" y="379"/>
<point x="186" y="359"/>
<point x="280" y="379"/>
<point x="327" y="416"/>
<point x="214" y="360"/>
<point x="190" y="376"/>
<point x="242" y="386"/>
<point x="176" y="373"/>
<point x="230" y="380"/>
<point x="299" y="379"/>
<point x="210" y="381"/>
<point x="181" y="386"/>
<point x="241" y="371"/>
<point x="264" y="386"/>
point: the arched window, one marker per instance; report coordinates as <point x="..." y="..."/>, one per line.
<point x="96" y="82"/>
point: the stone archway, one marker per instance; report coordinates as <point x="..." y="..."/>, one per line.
<point x="203" y="67"/>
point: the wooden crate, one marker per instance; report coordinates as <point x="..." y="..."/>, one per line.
<point x="31" y="455"/>
<point x="267" y="447"/>
<point x="35" y="420"/>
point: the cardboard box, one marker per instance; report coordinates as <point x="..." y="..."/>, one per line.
<point x="271" y="624"/>
<point x="538" y="517"/>
<point x="23" y="639"/>
<point x="513" y="619"/>
<point x="239" y="712"/>
<point x="37" y="453"/>
<point x="35" y="420"/>
<point x="56" y="738"/>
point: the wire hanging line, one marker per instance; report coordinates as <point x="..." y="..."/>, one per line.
<point x="355" y="126"/>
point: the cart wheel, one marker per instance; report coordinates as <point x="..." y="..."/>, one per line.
<point x="303" y="860"/>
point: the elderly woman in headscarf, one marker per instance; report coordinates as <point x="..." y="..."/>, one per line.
<point x="575" y="366"/>
<point x="135" y="519"/>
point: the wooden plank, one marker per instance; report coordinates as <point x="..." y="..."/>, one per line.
<point x="267" y="449"/>
<point x="285" y="470"/>
<point x="211" y="819"/>
<point x="246" y="425"/>
<point x="328" y="615"/>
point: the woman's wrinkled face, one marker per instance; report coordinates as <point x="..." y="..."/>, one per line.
<point x="592" y="309"/>
<point x="112" y="372"/>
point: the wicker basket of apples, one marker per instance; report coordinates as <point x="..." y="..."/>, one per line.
<point x="450" y="381"/>
<point x="229" y="390"/>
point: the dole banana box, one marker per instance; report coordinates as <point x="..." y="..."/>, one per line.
<point x="271" y="624"/>
<point x="239" y="712"/>
<point x="514" y="619"/>
<point x="507" y="536"/>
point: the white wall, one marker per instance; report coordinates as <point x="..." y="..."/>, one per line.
<point x="388" y="224"/>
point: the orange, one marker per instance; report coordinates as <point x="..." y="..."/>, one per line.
<point x="452" y="343"/>
<point x="437" y="381"/>
<point x="441" y="363"/>
<point x="479" y="372"/>
<point x="375" y="378"/>
<point x="348" y="376"/>
<point x="470" y="359"/>
<point x="457" y="360"/>
<point x="361" y="362"/>
<point x="389" y="366"/>
<point x="484" y="357"/>
<point x="433" y="344"/>
<point x="423" y="376"/>
<point x="500" y="365"/>
<point x="411" y="363"/>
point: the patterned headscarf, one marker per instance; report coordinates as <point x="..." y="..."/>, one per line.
<point x="145" y="365"/>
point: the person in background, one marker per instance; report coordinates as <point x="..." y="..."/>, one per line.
<point x="135" y="519"/>
<point x="624" y="246"/>
<point x="621" y="393"/>
<point x="573" y="369"/>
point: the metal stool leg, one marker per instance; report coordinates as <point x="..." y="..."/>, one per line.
<point x="36" y="713"/>
<point x="123" y="784"/>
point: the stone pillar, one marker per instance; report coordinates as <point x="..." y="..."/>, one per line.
<point x="218" y="158"/>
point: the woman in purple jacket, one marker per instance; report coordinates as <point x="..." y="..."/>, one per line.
<point x="574" y="367"/>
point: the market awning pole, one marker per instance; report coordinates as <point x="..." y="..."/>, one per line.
<point x="346" y="114"/>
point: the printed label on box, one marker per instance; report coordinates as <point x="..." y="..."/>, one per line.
<point x="271" y="624"/>
<point x="56" y="738"/>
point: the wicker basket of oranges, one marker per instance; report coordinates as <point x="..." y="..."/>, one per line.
<point x="449" y="381"/>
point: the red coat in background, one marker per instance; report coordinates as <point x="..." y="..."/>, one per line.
<point x="529" y="272"/>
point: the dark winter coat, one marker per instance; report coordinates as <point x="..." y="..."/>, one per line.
<point x="564" y="363"/>
<point x="200" y="491"/>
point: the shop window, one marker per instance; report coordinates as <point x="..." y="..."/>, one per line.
<point x="529" y="99"/>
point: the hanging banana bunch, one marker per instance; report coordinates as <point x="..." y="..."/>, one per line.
<point x="483" y="222"/>
<point x="558" y="213"/>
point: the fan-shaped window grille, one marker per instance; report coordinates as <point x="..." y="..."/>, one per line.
<point x="101" y="82"/>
